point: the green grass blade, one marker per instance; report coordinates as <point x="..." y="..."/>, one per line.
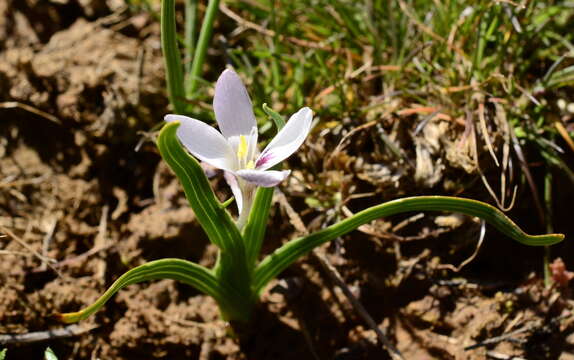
<point x="176" y="269"/>
<point x="254" y="231"/>
<point x="171" y="56"/>
<point x="3" y="354"/>
<point x="275" y="263"/>
<point x="201" y="48"/>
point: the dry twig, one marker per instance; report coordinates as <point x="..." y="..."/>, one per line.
<point x="260" y="29"/>
<point x="31" y="109"/>
<point x="471" y="257"/>
<point x="68" y="331"/>
<point x="526" y="328"/>
<point x="338" y="280"/>
<point x="27" y="247"/>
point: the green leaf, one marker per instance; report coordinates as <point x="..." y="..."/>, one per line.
<point x="275" y="116"/>
<point x="214" y="219"/>
<point x="49" y="355"/>
<point x="202" y="46"/>
<point x="177" y="269"/>
<point x="191" y="10"/>
<point x="231" y="268"/>
<point x="275" y="263"/>
<point x="560" y="78"/>
<point x="171" y="56"/>
<point x="3" y="354"/>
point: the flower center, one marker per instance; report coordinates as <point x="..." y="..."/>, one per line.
<point x="242" y="148"/>
<point x="245" y="153"/>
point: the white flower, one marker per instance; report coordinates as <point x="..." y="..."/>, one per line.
<point x="234" y="150"/>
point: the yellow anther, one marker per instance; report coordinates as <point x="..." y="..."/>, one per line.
<point x="242" y="148"/>
<point x="250" y="165"/>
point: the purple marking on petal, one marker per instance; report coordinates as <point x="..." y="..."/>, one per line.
<point x="288" y="139"/>
<point x="264" y="159"/>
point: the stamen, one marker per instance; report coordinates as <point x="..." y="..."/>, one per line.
<point x="250" y="165"/>
<point x="242" y="147"/>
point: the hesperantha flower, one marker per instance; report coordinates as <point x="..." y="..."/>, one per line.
<point x="234" y="149"/>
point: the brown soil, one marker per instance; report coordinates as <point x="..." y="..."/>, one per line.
<point x="80" y="206"/>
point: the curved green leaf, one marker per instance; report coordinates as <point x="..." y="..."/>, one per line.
<point x="231" y="267"/>
<point x="176" y="269"/>
<point x="276" y="262"/>
<point x="214" y="219"/>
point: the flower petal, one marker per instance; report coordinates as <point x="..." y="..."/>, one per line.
<point x="267" y="178"/>
<point x="232" y="106"/>
<point x="287" y="140"/>
<point x="204" y="142"/>
<point x="235" y="189"/>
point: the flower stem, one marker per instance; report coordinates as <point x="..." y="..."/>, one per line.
<point x="248" y="193"/>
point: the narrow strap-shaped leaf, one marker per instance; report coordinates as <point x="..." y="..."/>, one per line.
<point x="276" y="262"/>
<point x="191" y="10"/>
<point x="201" y="48"/>
<point x="254" y="231"/>
<point x="171" y="56"/>
<point x="232" y="265"/>
<point x="214" y="219"/>
<point x="176" y="269"/>
<point x="275" y="116"/>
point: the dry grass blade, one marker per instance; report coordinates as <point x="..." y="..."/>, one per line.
<point x="36" y="254"/>
<point x="338" y="280"/>
<point x="31" y="109"/>
<point x="485" y="135"/>
<point x="341" y="145"/>
<point x="564" y="133"/>
<point x="429" y="31"/>
<point x="474" y="253"/>
<point x="528" y="175"/>
<point x="526" y="328"/>
<point x="499" y="202"/>
<point x="25" y="245"/>
<point x="47" y="240"/>
<point x="260" y="29"/>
